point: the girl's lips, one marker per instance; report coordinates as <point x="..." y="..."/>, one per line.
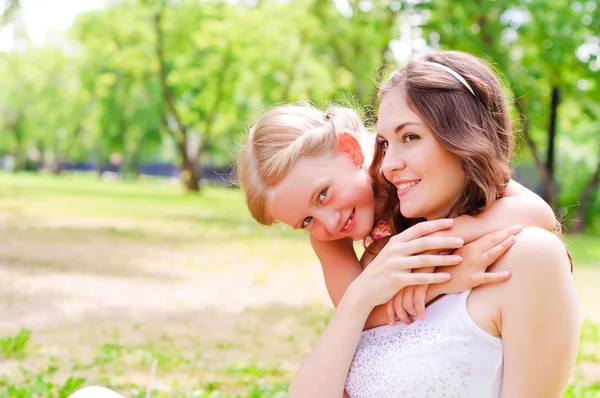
<point x="404" y="191"/>
<point x="350" y="222"/>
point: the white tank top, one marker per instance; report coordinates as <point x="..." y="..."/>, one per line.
<point x="446" y="355"/>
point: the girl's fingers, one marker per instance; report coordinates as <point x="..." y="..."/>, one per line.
<point x="408" y="302"/>
<point x="497" y="251"/>
<point x="423" y="228"/>
<point x="399" y="309"/>
<point x="390" y="313"/>
<point x="490" y="277"/>
<point x="419" y="300"/>
<point x="426" y="243"/>
<point x="498" y="237"/>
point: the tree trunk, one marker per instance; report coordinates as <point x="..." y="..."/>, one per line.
<point x="581" y="216"/>
<point x="549" y="187"/>
<point x="189" y="174"/>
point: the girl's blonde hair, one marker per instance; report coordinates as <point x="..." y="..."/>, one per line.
<point x="279" y="138"/>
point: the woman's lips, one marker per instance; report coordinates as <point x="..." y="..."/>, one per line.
<point x="404" y="188"/>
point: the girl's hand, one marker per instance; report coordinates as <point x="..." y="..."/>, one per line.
<point x="390" y="270"/>
<point x="477" y="257"/>
<point x="414" y="299"/>
<point x="395" y="311"/>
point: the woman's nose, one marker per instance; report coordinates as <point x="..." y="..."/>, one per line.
<point x="392" y="162"/>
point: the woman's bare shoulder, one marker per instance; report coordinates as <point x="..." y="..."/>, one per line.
<point x="538" y="263"/>
<point x="534" y="248"/>
<point x="537" y="259"/>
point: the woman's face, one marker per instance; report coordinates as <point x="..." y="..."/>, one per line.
<point x="428" y="177"/>
<point x="328" y="196"/>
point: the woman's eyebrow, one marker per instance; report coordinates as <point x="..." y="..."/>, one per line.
<point x="401" y="126"/>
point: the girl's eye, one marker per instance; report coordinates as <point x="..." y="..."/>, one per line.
<point x="383" y="145"/>
<point x="322" y="195"/>
<point x="410" y="137"/>
<point x="306" y="221"/>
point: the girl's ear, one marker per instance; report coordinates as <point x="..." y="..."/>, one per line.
<point x="348" y="143"/>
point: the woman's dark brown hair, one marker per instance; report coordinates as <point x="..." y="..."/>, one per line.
<point x="476" y="127"/>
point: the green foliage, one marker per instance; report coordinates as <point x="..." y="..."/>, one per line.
<point x="15" y="346"/>
<point x="39" y="383"/>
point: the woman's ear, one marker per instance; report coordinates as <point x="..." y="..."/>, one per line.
<point x="348" y="143"/>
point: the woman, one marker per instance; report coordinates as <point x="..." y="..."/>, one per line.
<point x="444" y="145"/>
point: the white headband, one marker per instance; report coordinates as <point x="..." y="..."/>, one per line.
<point x="453" y="73"/>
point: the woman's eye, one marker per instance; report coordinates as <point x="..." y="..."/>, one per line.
<point x="383" y="145"/>
<point x="410" y="137"/>
<point x="322" y="195"/>
<point x="306" y="221"/>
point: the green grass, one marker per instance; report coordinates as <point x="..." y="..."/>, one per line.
<point x="15" y="346"/>
<point x="110" y="276"/>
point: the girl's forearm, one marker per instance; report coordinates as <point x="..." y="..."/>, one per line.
<point x="529" y="211"/>
<point x="324" y="371"/>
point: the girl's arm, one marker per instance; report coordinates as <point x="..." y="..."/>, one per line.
<point x="340" y="267"/>
<point x="540" y="317"/>
<point x="518" y="206"/>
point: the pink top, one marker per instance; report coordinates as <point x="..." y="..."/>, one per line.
<point x="380" y="230"/>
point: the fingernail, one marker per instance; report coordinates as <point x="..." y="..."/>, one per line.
<point x="448" y="221"/>
<point x="458" y="242"/>
<point x="516" y="228"/>
<point x="445" y="276"/>
<point x="455" y="259"/>
<point x="510" y="240"/>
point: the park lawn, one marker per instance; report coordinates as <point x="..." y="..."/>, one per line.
<point x="101" y="278"/>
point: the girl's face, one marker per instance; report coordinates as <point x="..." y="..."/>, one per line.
<point x="328" y="196"/>
<point x="428" y="177"/>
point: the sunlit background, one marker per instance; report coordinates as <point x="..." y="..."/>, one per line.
<point x="122" y="240"/>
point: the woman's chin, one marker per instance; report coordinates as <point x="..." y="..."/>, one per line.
<point x="408" y="212"/>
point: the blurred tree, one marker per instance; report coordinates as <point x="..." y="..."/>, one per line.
<point x="10" y="7"/>
<point x="354" y="39"/>
<point x="114" y="70"/>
